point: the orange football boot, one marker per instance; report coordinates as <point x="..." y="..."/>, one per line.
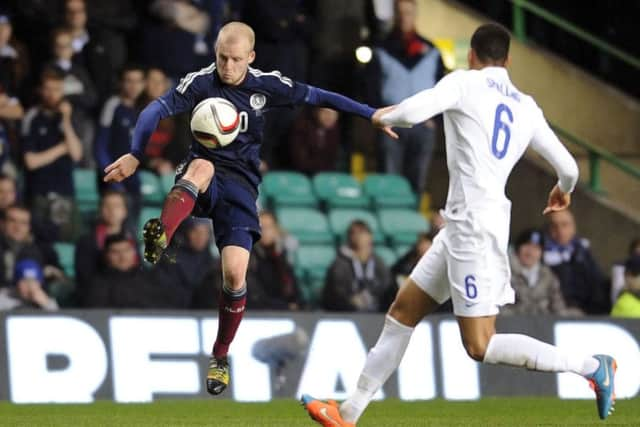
<point x="324" y="413"/>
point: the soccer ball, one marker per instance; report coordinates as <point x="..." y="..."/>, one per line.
<point x="215" y="122"/>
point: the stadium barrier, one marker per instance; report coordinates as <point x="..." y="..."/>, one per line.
<point x="134" y="356"/>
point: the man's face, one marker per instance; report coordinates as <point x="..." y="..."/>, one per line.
<point x="7" y="193"/>
<point x="198" y="236"/>
<point x="529" y="254"/>
<point x="269" y="230"/>
<point x="62" y="47"/>
<point x="5" y="34"/>
<point x="562" y="227"/>
<point x="76" y="14"/>
<point x="17" y="225"/>
<point x="132" y="84"/>
<point x="360" y="238"/>
<point x="121" y="256"/>
<point x="326" y="117"/>
<point x="423" y="246"/>
<point x="27" y="287"/>
<point x="406" y="13"/>
<point x="52" y="92"/>
<point x="157" y="83"/>
<point x="113" y="210"/>
<point x="233" y="57"/>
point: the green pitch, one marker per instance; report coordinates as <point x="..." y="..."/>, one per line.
<point x="288" y="413"/>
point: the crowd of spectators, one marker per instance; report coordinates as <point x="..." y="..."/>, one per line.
<point x="70" y="94"/>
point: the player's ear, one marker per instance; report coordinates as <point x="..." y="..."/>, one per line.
<point x="252" y="56"/>
<point x="470" y="56"/>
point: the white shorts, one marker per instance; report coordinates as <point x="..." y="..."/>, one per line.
<point x="477" y="282"/>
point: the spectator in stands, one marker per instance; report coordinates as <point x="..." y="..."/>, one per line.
<point x="78" y="90"/>
<point x="581" y="280"/>
<point x="175" y="40"/>
<point x="537" y="289"/>
<point x="188" y="263"/>
<point x="75" y="19"/>
<point x="50" y="148"/>
<point x="17" y="243"/>
<point x="358" y="278"/>
<point x="628" y="303"/>
<point x="161" y="155"/>
<point x="618" y="270"/>
<point x="273" y="284"/>
<point x="27" y="292"/>
<point x="13" y="62"/>
<point x="122" y="283"/>
<point x="117" y="121"/>
<point x="404" y="64"/>
<point x="112" y="215"/>
<point x="10" y="79"/>
<point x="314" y="142"/>
<point x="8" y="193"/>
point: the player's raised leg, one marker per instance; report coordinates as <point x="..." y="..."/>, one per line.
<point x="177" y="206"/>
<point x="231" y="304"/>
<point x="484" y="345"/>
<point x="408" y="309"/>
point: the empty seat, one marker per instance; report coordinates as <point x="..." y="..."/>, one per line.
<point x="287" y="189"/>
<point x="86" y="190"/>
<point x="402" y="225"/>
<point x="66" y="257"/>
<point x="150" y="189"/>
<point x="340" y="219"/>
<point x="389" y="191"/>
<point x="166" y="182"/>
<point x="387" y="254"/>
<point x="339" y="190"/>
<point x="311" y="265"/>
<point x="308" y="225"/>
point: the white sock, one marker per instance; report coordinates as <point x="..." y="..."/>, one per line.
<point x="382" y="360"/>
<point x="522" y="350"/>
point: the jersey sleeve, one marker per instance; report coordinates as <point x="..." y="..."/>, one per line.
<point x="547" y="144"/>
<point x="445" y="95"/>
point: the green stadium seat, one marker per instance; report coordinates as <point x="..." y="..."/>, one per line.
<point x="340" y="219"/>
<point x="150" y="188"/>
<point x="86" y="190"/>
<point x="390" y="191"/>
<point x="308" y="225"/>
<point x="311" y="265"/>
<point x="339" y="190"/>
<point x="288" y="189"/>
<point x="401" y="250"/>
<point x="66" y="256"/>
<point x="166" y="182"/>
<point x="146" y="214"/>
<point x="402" y="225"/>
<point x="388" y="255"/>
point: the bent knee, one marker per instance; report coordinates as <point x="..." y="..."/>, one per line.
<point x="200" y="172"/>
<point x="476" y="349"/>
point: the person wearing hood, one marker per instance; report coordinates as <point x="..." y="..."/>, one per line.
<point x="358" y="278"/>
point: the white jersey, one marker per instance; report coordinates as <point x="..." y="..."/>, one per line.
<point x="488" y="126"/>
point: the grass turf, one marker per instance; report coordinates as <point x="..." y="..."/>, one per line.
<point x="288" y="413"/>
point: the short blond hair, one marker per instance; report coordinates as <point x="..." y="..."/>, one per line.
<point x="234" y="31"/>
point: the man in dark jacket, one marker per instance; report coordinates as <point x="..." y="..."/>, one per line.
<point x="358" y="278"/>
<point x="583" y="284"/>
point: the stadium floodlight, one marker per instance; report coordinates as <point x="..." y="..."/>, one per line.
<point x="364" y="54"/>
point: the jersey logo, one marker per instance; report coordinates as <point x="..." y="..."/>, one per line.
<point x="257" y="101"/>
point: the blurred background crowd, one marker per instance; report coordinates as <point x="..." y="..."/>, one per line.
<point x="74" y="74"/>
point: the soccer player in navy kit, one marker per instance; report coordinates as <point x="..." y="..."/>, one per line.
<point x="222" y="183"/>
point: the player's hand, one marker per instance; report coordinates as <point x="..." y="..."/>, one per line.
<point x="121" y="169"/>
<point x="558" y="201"/>
<point x="376" y="120"/>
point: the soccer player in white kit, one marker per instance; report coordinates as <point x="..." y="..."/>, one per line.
<point x="489" y="124"/>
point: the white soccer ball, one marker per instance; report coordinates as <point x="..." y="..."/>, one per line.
<point x="215" y="122"/>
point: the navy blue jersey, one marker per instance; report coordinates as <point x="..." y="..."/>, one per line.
<point x="42" y="130"/>
<point x="257" y="94"/>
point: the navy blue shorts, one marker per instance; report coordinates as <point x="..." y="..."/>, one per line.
<point x="231" y="205"/>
